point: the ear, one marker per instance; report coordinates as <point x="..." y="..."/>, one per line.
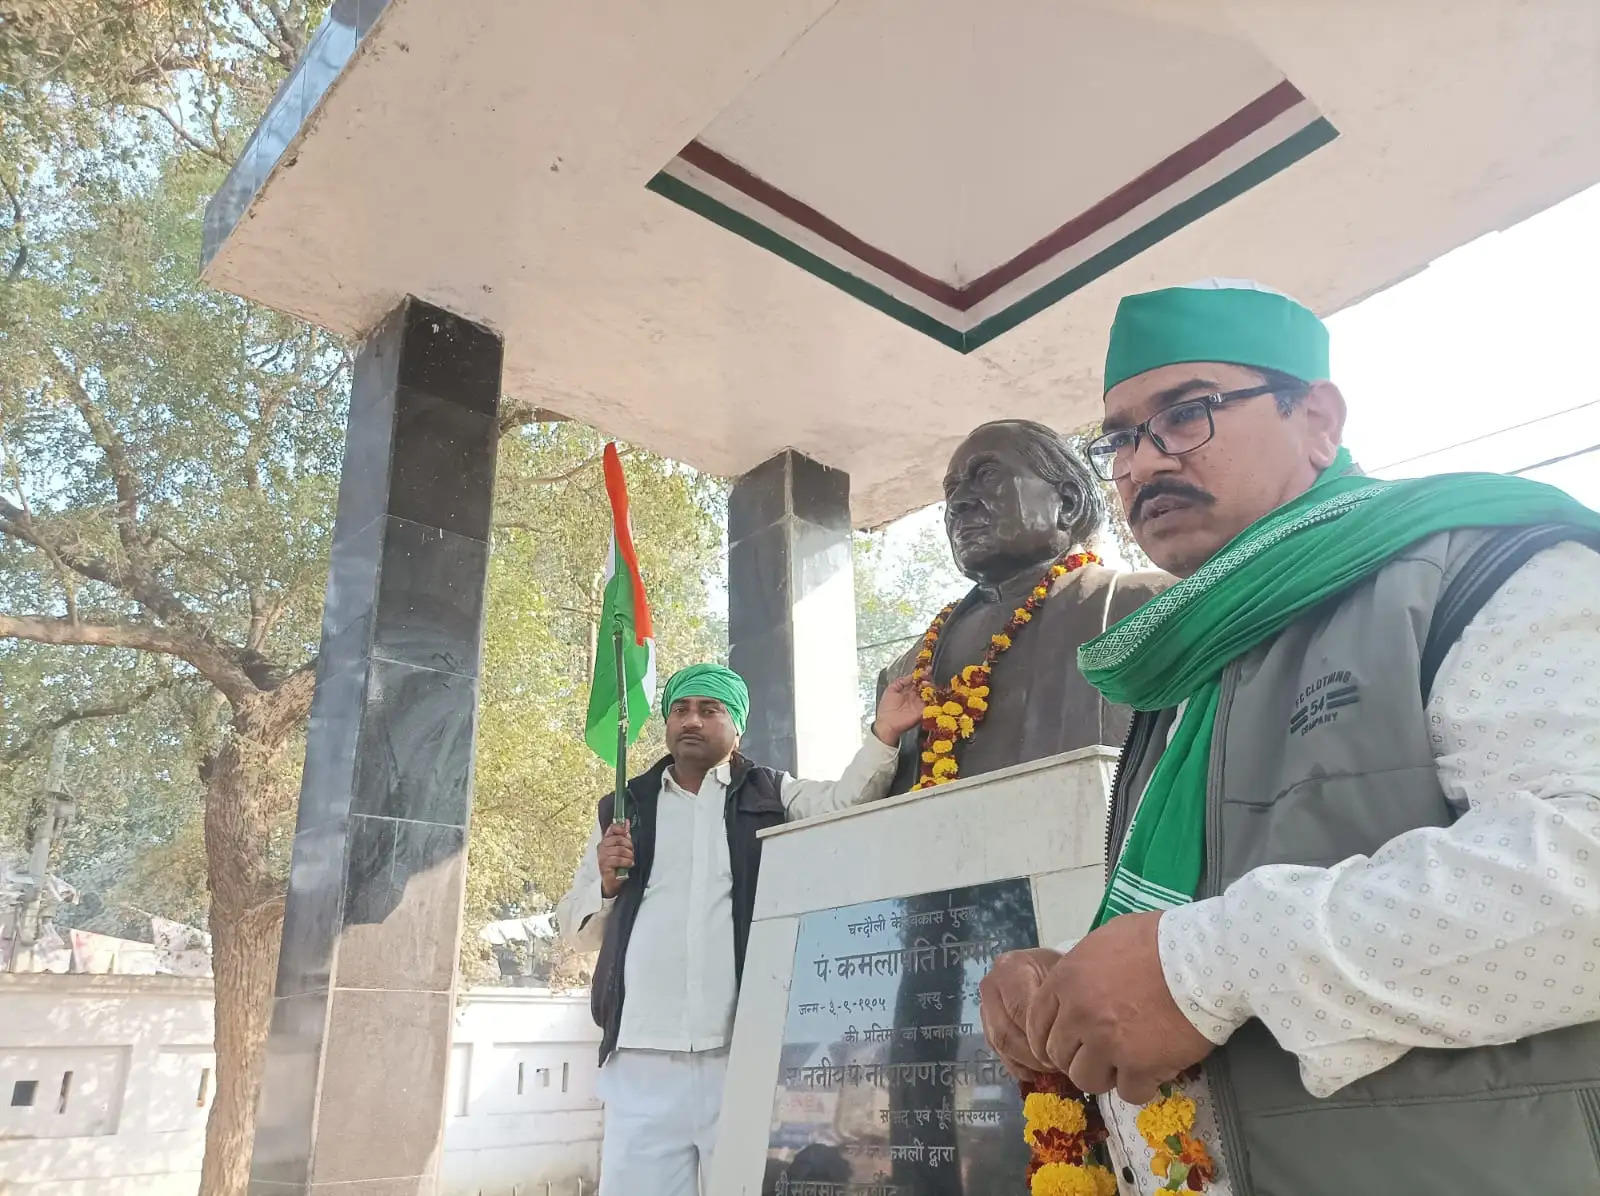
<point x="1323" y="410"/>
<point x="1073" y="508"/>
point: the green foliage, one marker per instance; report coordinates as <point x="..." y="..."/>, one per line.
<point x="903" y="578"/>
<point x="152" y="425"/>
<point x="537" y="783"/>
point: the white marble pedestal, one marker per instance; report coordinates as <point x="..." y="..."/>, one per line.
<point x="1044" y="821"/>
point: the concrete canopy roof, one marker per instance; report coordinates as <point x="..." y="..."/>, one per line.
<point x="858" y="228"/>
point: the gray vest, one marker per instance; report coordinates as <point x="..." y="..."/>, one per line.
<point x="1321" y="752"/>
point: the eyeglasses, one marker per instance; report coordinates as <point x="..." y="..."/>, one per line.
<point x="1175" y="430"/>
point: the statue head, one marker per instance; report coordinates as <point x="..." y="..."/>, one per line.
<point x="1017" y="497"/>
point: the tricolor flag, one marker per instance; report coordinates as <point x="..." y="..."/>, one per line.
<point x="624" y="604"/>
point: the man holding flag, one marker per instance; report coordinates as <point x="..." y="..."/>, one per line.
<point x="666" y="886"/>
<point x="1350" y="936"/>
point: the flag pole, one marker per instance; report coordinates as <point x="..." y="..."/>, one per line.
<point x="619" y="810"/>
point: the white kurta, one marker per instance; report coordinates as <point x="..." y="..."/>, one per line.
<point x="662" y="1086"/>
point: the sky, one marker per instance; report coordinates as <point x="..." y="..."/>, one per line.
<point x="1495" y="334"/>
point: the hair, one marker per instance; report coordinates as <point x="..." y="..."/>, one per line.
<point x="1050" y="456"/>
<point x="1287" y="390"/>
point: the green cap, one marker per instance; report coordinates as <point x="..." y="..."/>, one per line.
<point x="1239" y="323"/>
<point x="709" y="681"/>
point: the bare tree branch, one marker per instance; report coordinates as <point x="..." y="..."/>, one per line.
<point x="286" y="28"/>
<point x="283" y="52"/>
<point x="124" y="705"/>
<point x="137" y="579"/>
<point x="555" y="479"/>
<point x="217" y="666"/>
<point x="217" y="152"/>
<point x="519" y="413"/>
<point x="69" y="587"/>
<point x="19" y="228"/>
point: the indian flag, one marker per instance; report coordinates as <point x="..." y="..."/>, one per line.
<point x="624" y="605"/>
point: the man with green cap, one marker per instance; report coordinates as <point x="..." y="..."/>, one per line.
<point x="1350" y="941"/>
<point x="671" y="933"/>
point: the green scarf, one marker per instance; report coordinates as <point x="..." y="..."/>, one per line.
<point x="1173" y="648"/>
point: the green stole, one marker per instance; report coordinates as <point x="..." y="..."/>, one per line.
<point x="1173" y="649"/>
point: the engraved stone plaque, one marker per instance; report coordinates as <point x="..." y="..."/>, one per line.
<point x="886" y="1086"/>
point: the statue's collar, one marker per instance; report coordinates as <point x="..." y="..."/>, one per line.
<point x="1013" y="589"/>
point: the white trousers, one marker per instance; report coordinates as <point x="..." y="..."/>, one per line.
<point x="661" y="1121"/>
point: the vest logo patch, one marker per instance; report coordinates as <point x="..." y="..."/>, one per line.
<point x="1319" y="703"/>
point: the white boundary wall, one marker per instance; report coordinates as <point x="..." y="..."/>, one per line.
<point x="105" y="1084"/>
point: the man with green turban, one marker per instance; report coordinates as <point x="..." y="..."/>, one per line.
<point x="671" y="933"/>
<point x="1351" y="932"/>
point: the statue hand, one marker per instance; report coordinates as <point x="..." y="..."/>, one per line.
<point x="899" y="710"/>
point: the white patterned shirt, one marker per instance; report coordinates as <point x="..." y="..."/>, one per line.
<point x="1481" y="932"/>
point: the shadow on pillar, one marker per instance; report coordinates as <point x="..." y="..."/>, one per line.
<point x="353" y="1093"/>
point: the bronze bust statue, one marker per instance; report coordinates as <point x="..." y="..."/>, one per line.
<point x="1016" y="499"/>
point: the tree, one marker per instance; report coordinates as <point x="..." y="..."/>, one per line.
<point x="170" y="459"/>
<point x="903" y="578"/>
<point x="168" y="465"/>
<point x="537" y="782"/>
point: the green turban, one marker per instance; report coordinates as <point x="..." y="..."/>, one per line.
<point x="709" y="681"/>
<point x="1238" y="323"/>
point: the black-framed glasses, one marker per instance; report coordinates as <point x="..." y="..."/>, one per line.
<point x="1175" y="430"/>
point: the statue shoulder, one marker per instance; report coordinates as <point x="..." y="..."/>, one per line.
<point x="1136" y="587"/>
<point x="1145" y="582"/>
<point x="901" y="666"/>
<point x="1126" y="589"/>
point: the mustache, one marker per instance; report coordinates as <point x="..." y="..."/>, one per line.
<point x="1168" y="488"/>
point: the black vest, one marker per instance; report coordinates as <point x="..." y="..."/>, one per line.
<point x="754" y="802"/>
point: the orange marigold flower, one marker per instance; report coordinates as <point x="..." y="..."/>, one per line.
<point x="1045" y="1110"/>
<point x="1056" y="1146"/>
<point x="1193" y="1152"/>
<point x="1167" y="1118"/>
<point x="1069" y="1179"/>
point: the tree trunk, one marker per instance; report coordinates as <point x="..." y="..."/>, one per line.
<point x="246" y="797"/>
<point x="244" y="952"/>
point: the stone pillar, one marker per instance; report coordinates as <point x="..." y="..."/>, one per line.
<point x="354" y="1088"/>
<point x="792" y="614"/>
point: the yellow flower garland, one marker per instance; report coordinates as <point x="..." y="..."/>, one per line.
<point x="952" y="712"/>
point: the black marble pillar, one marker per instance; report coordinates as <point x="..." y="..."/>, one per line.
<point x="353" y="1093"/>
<point x="791" y="614"/>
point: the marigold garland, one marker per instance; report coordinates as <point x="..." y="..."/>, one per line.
<point x="953" y="712"/>
<point x="1064" y="1131"/>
